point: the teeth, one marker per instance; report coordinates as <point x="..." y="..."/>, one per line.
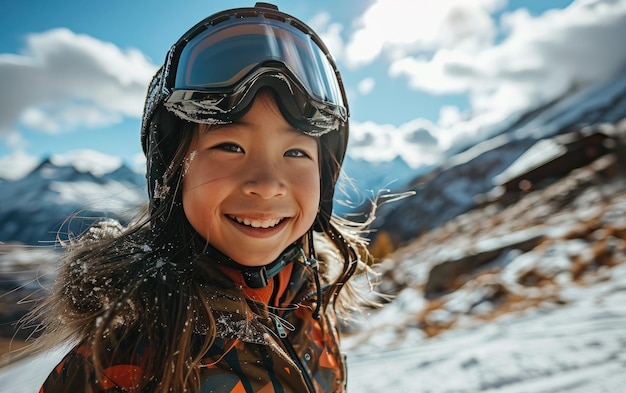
<point x="269" y="223"/>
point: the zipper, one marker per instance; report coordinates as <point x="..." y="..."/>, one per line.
<point x="282" y="333"/>
<point x="280" y="328"/>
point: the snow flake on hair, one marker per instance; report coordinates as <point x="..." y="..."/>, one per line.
<point x="188" y="160"/>
<point x="105" y="229"/>
<point x="161" y="191"/>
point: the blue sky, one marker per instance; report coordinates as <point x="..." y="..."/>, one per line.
<point x="422" y="76"/>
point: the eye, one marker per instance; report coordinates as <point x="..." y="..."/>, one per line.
<point x="297" y="153"/>
<point x="229" y="147"/>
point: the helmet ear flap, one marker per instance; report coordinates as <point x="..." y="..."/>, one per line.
<point x="333" y="149"/>
<point x="163" y="138"/>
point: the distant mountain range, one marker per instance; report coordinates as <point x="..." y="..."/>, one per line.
<point x="60" y="199"/>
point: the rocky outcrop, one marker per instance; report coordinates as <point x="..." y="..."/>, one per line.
<point x="510" y="255"/>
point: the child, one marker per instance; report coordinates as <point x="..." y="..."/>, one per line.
<point x="233" y="280"/>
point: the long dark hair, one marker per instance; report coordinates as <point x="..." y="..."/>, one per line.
<point x="120" y="288"/>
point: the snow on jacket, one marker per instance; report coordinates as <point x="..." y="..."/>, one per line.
<point x="259" y="348"/>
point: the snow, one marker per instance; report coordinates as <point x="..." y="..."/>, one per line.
<point x="577" y="348"/>
<point x="28" y="375"/>
<point x="112" y="196"/>
<point x="537" y="155"/>
<point x="90" y="161"/>
<point x="576" y="108"/>
<point x="74" y="183"/>
<point x="567" y="333"/>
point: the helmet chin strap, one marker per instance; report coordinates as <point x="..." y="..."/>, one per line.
<point x="260" y="276"/>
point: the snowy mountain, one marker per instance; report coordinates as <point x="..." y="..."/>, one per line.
<point x="453" y="188"/>
<point x="62" y="196"/>
<point x="528" y="296"/>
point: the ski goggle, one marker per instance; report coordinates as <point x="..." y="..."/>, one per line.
<point x="218" y="67"/>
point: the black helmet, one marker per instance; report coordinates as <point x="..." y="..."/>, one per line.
<point x="213" y="72"/>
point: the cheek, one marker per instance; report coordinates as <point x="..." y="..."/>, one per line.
<point x="308" y="189"/>
<point x="197" y="186"/>
<point x="191" y="207"/>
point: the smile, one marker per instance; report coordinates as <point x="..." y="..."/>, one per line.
<point x="269" y="223"/>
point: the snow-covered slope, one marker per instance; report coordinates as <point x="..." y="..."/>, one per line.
<point x="526" y="297"/>
<point x="577" y="348"/>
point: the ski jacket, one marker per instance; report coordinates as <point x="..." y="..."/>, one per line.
<point x="266" y="342"/>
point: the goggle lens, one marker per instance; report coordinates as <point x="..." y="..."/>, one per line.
<point x="220" y="57"/>
<point x="218" y="61"/>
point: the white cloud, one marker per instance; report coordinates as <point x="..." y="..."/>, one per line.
<point x="540" y="59"/>
<point x="400" y="27"/>
<point x="67" y="115"/>
<point x="414" y="141"/>
<point x="450" y="47"/>
<point x="138" y="163"/>
<point x="62" y="81"/>
<point x="447" y="72"/>
<point x="16" y="165"/>
<point x="366" y="86"/>
<point x="14" y="139"/>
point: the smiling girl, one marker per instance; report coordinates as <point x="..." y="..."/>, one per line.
<point x="234" y="279"/>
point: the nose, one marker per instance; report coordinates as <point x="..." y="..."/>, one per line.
<point x="265" y="182"/>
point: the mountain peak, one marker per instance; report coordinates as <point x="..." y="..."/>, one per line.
<point x="84" y="161"/>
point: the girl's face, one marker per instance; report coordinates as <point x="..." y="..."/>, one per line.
<point x="252" y="188"/>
